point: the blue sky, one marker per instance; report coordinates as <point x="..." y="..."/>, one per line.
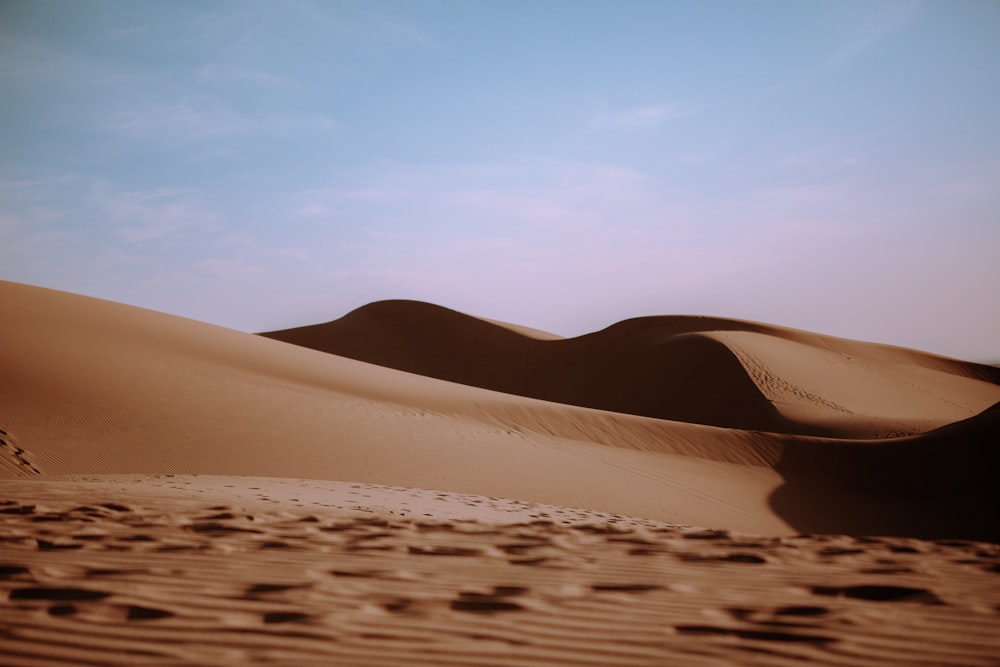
<point x="829" y="165"/>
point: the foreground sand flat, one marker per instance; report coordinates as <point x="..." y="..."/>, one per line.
<point x="220" y="570"/>
<point x="173" y="492"/>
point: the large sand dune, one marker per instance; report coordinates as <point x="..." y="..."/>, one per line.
<point x="671" y="420"/>
<point x="695" y="369"/>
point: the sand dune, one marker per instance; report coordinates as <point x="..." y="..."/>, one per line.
<point x="100" y="387"/>
<point x="695" y="369"/>
<point x="651" y="430"/>
<point x="97" y="387"/>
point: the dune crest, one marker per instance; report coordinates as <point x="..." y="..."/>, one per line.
<point x="703" y="370"/>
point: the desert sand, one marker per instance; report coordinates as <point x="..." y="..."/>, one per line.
<point x="412" y="485"/>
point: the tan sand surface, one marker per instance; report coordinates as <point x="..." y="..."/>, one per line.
<point x="229" y="570"/>
<point x="648" y="428"/>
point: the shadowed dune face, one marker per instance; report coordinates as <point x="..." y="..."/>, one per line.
<point x="665" y="371"/>
<point x="937" y="484"/>
<point x="702" y="370"/>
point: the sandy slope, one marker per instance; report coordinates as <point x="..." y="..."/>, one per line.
<point x="690" y="421"/>
<point x="94" y="386"/>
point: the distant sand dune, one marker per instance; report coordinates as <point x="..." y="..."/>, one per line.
<point x="702" y="370"/>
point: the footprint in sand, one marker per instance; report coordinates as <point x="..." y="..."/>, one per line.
<point x="49" y="545"/>
<point x="767" y="621"/>
<point x="723" y="558"/>
<point x="886" y="570"/>
<point x="284" y="617"/>
<point x="218" y="529"/>
<point x="92" y="572"/>
<point x="62" y="610"/>
<point x="137" y="613"/>
<point x="444" y="551"/>
<point x="624" y="588"/>
<point x="361" y="574"/>
<point x="57" y="594"/>
<point x="880" y="593"/>
<point x="488" y="603"/>
<point x="257" y="590"/>
<point x="707" y="535"/>
<point x="274" y="544"/>
<point x="116" y="507"/>
<point x="398" y="605"/>
<point x="11" y="571"/>
<point x="839" y="551"/>
<point x="21" y="458"/>
<point x="523" y="548"/>
<point x="760" y="635"/>
<point x="801" y="610"/>
<point x="10" y="507"/>
<point x="528" y="561"/>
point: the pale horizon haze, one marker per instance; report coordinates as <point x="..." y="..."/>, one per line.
<point x="829" y="165"/>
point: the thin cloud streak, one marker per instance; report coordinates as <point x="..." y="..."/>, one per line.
<point x="159" y="215"/>
<point x="645" y="116"/>
<point x="887" y="19"/>
<point x="200" y="118"/>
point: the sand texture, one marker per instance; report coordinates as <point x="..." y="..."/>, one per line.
<point x="413" y="485"/>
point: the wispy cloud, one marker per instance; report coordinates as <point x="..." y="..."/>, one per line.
<point x="877" y="23"/>
<point x="195" y="118"/>
<point x="216" y="73"/>
<point x="881" y="22"/>
<point x="192" y="119"/>
<point x="645" y="116"/>
<point x="544" y="194"/>
<point x="10" y="187"/>
<point x="127" y="31"/>
<point x="409" y="33"/>
<point x="152" y="215"/>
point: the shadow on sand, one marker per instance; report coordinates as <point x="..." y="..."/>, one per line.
<point x="942" y="484"/>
